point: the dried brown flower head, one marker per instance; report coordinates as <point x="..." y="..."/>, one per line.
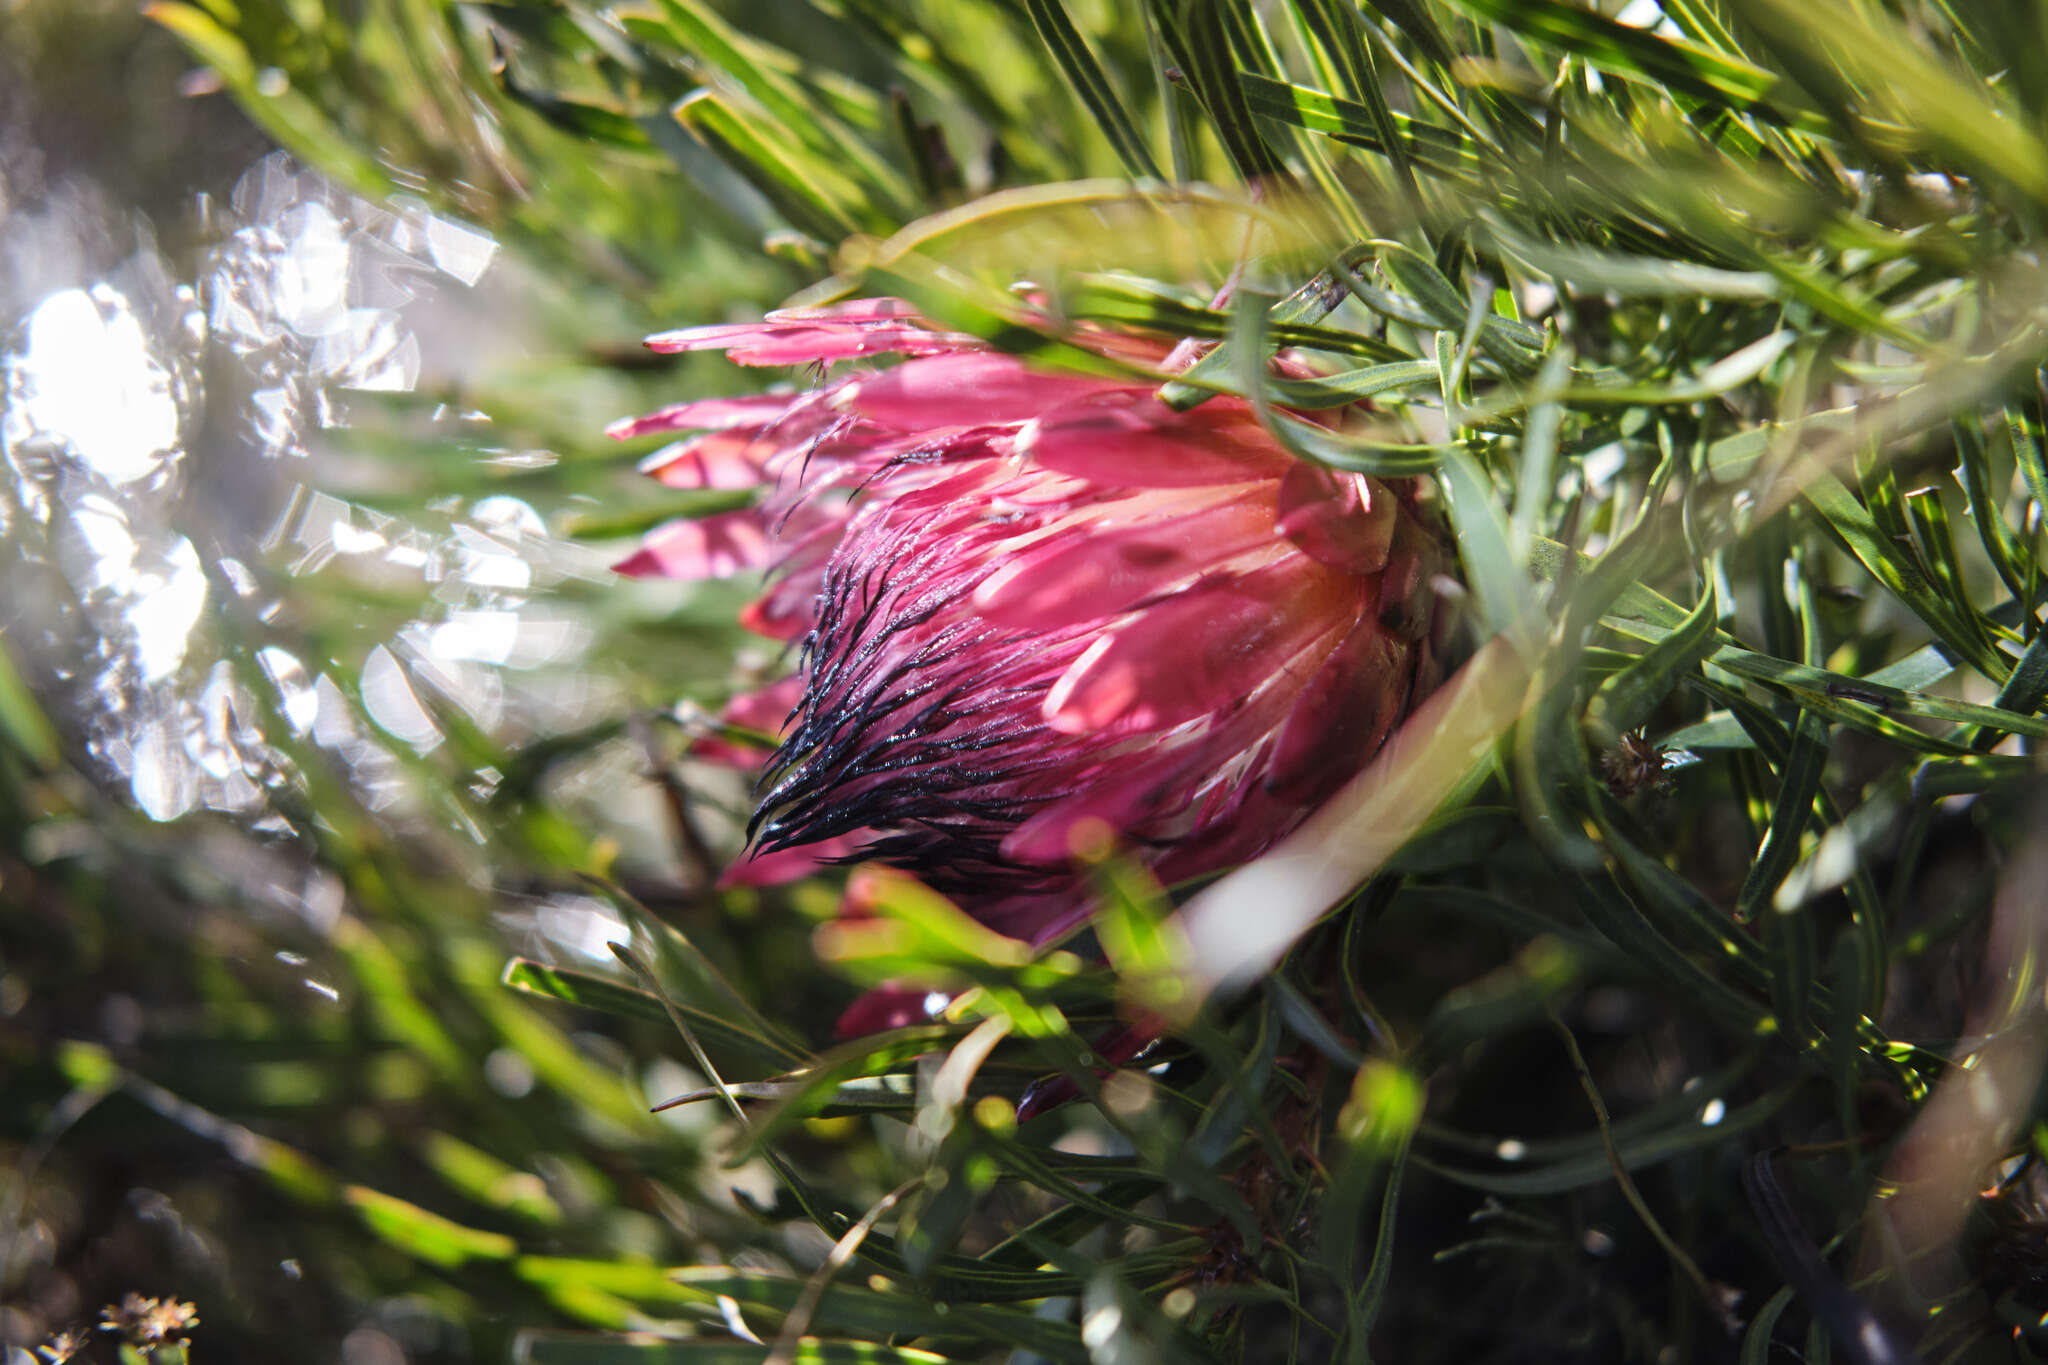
<point x="150" y="1322"/>
<point x="62" y="1347"/>
<point x="1635" y="762"/>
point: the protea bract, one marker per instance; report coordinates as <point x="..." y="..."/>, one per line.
<point x="1035" y="604"/>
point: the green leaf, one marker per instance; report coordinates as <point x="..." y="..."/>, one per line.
<point x="1070" y="51"/>
<point x="427" y="1236"/>
<point x="1340" y="35"/>
<point x="564" y="1348"/>
<point x="914" y="926"/>
<point x="1193" y="32"/>
<point x="1678" y="1108"/>
<point x="849" y="1077"/>
<point x="1854" y="525"/>
<point x="1440" y="151"/>
<point x="634" y="521"/>
<point x="1973" y="471"/>
<point x="2024" y="432"/>
<point x="1629" y="276"/>
<point x="1679" y="906"/>
<point x="1663" y="63"/>
<point x="790" y="108"/>
<point x="1900" y="90"/>
<point x="1413" y="18"/>
<point x="884" y="1313"/>
<point x="1637" y="1152"/>
<point x="890" y="1094"/>
<point x="1510" y="996"/>
<point x="22" y="721"/>
<point x="803" y="188"/>
<point x="1143" y="945"/>
<point x="287" y="114"/>
<point x="1247" y="352"/>
<point x="1624" y="925"/>
<point x="2024" y="690"/>
<point x="487" y="1180"/>
<point x="1377" y="1126"/>
<point x="1756" y="1340"/>
<point x="1799" y="784"/>
<point x="1515" y="345"/>
<point x="1499" y="585"/>
<point x="578" y="118"/>
<point x="1867" y="703"/>
<point x="592" y="991"/>
<point x="1790" y="933"/>
<point x="1137" y="304"/>
<point x="1717" y="378"/>
<point x="1624" y="702"/>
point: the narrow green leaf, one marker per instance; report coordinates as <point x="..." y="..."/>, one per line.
<point x="685" y="506"/>
<point x="1070" y="50"/>
<point x="1855" y="527"/>
<point x="1194" y="33"/>
<point x="1536" y="470"/>
<point x="1134" y="927"/>
<point x="1865" y="703"/>
<point x="789" y="106"/>
<point x="1649" y="1150"/>
<point x="1498" y="584"/>
<point x="1624" y="925"/>
<point x="1973" y="471"/>
<point x="1677" y="904"/>
<point x="1888" y="83"/>
<point x="1247" y="347"/>
<point x="1624" y="702"/>
<point x="22" y="720"/>
<point x="427" y="1236"/>
<point x="1308" y="305"/>
<point x="1377" y="1125"/>
<point x="1025" y="1163"/>
<point x="289" y="115"/>
<point x="563" y="1348"/>
<point x="1132" y="303"/>
<point x="1939" y="777"/>
<point x="1442" y="152"/>
<point x="890" y="1094"/>
<point x="1626" y="275"/>
<point x="1756" y="1339"/>
<point x="1799" y="784"/>
<point x="484" y="1178"/>
<point x="801" y="187"/>
<point x="1933" y="534"/>
<point x="2025" y="434"/>
<point x="1618" y="49"/>
<point x="884" y="1313"/>
<point x="1729" y="372"/>
<point x="1515" y="345"/>
<point x="1675" y="1109"/>
<point x="1337" y="30"/>
<point x="2024" y="690"/>
<point x="610" y="997"/>
<point x="1413" y="18"/>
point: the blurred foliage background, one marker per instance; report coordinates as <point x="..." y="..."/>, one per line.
<point x="1704" y="1023"/>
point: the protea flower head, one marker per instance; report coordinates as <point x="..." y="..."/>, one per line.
<point x="1034" y="605"/>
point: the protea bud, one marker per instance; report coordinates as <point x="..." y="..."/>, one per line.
<point x="1033" y="605"/>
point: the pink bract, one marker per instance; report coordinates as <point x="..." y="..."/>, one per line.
<point x="1032" y="601"/>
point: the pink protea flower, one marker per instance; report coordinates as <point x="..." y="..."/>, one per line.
<point x="1034" y="604"/>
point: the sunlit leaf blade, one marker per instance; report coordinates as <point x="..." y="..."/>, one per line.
<point x="1084" y="72"/>
<point x="601" y="993"/>
<point x="552" y="1348"/>
<point x="1669" y="64"/>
